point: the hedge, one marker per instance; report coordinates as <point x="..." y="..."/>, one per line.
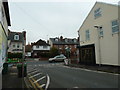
<point x="15" y="55"/>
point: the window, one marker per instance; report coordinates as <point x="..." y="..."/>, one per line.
<point x="66" y="40"/>
<point x="75" y="40"/>
<point x="37" y="46"/>
<point x="97" y="13"/>
<point x="87" y="35"/>
<point x="13" y="45"/>
<point x="56" y="39"/>
<point x="44" y="46"/>
<point x="101" y="32"/>
<point x="18" y="45"/>
<point x="115" y="26"/>
<point x="16" y="37"/>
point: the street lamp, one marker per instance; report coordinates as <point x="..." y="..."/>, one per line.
<point x="98" y="30"/>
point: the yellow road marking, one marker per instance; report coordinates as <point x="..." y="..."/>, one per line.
<point x="33" y="85"/>
<point x="38" y="85"/>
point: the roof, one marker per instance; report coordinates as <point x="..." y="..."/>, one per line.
<point x="64" y="41"/>
<point x="6" y="8"/>
<point x="41" y="43"/>
<point x="92" y="10"/>
<point x="12" y="34"/>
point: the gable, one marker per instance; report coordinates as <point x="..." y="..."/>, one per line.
<point x="105" y="11"/>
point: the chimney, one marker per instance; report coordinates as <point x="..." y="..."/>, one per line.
<point x="61" y="38"/>
<point x="24" y="34"/>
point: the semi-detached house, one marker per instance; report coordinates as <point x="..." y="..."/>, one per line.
<point x="99" y="35"/>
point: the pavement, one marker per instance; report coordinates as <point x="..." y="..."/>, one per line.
<point x="102" y="68"/>
<point x="11" y="79"/>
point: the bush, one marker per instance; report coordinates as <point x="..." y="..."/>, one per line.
<point x="53" y="52"/>
<point x="15" y="55"/>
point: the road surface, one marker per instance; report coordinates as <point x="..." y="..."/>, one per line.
<point x="62" y="76"/>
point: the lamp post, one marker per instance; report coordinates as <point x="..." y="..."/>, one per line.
<point x="98" y="31"/>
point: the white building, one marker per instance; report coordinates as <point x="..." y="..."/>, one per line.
<point x="16" y="40"/>
<point x="39" y="48"/>
<point x="4" y="23"/>
<point x="99" y="35"/>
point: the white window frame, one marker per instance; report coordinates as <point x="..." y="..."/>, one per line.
<point x="115" y="26"/>
<point x="87" y="35"/>
<point x="18" y="45"/>
<point x="96" y="13"/>
<point x="14" y="45"/>
<point x="16" y="37"/>
<point x="44" y="47"/>
<point x="37" y="46"/>
<point x="101" y="30"/>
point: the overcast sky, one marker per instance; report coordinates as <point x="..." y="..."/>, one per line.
<point x="43" y="19"/>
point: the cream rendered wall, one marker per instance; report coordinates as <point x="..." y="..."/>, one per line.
<point x="11" y="47"/>
<point x="108" y="43"/>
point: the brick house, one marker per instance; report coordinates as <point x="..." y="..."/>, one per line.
<point x="63" y="43"/>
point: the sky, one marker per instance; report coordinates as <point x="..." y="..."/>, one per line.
<point x="44" y="19"/>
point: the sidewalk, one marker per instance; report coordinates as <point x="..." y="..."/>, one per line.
<point x="103" y="68"/>
<point x="11" y="80"/>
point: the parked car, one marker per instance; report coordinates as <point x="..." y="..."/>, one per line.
<point x="57" y="58"/>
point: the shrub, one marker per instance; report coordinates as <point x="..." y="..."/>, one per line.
<point x="15" y="55"/>
<point x="53" y="52"/>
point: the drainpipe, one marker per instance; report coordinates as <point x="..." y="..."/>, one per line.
<point x="98" y="31"/>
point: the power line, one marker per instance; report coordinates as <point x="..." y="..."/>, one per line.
<point x="31" y="17"/>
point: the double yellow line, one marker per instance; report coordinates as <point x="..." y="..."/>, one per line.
<point x="35" y="84"/>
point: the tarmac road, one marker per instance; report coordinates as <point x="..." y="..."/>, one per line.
<point x="68" y="77"/>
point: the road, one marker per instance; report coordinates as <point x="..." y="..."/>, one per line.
<point x="69" y="77"/>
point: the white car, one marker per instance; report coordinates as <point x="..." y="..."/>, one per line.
<point x="57" y="58"/>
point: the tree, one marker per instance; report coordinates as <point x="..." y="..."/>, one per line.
<point x="53" y="52"/>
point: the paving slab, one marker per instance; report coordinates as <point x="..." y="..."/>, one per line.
<point x="11" y="79"/>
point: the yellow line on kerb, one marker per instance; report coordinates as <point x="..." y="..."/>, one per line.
<point x="38" y="85"/>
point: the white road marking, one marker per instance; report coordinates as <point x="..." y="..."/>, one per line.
<point x="42" y="85"/>
<point x="76" y="87"/>
<point x="48" y="82"/>
<point x="35" y="75"/>
<point x="33" y="72"/>
<point x="40" y="79"/>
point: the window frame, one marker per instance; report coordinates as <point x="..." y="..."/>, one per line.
<point x="115" y="26"/>
<point x="37" y="46"/>
<point x="87" y="35"/>
<point x="13" y="45"/>
<point x="96" y="13"/>
<point x="18" y="45"/>
<point x="44" y="47"/>
<point x="101" y="29"/>
<point x="18" y="37"/>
